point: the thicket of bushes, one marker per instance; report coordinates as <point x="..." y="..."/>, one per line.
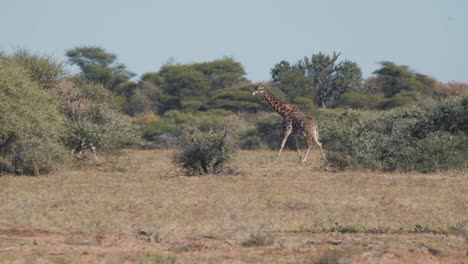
<point x="45" y="112"/>
<point x="424" y="137"/>
<point x="31" y="123"/>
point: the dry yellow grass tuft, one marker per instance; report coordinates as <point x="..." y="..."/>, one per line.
<point x="300" y="206"/>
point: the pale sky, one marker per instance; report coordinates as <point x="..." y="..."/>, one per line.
<point x="429" y="36"/>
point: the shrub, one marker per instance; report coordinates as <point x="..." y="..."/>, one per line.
<point x="107" y="129"/>
<point x="173" y="122"/>
<point x="251" y="139"/>
<point x="31" y="124"/>
<point x="359" y="100"/>
<point x="42" y="69"/>
<point x="139" y="103"/>
<point x="403" y="98"/>
<point x="426" y="137"/>
<point x="237" y="99"/>
<point x="269" y="127"/>
<point x="93" y="118"/>
<point x="442" y="151"/>
<point x="305" y="103"/>
<point x="204" y="153"/>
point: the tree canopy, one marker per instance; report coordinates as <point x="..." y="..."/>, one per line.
<point x="319" y="76"/>
<point x="98" y="65"/>
<point x="393" y="79"/>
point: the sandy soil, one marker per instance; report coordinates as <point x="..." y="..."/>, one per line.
<point x="39" y="246"/>
<point x="137" y="209"/>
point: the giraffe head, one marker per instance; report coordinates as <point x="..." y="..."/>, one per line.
<point x="259" y="89"/>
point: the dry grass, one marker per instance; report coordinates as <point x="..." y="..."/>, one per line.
<point x="143" y="191"/>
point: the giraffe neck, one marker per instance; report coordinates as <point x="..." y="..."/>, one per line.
<point x="279" y="106"/>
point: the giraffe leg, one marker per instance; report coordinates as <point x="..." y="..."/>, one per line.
<point x="316" y="139"/>
<point x="286" y="132"/>
<point x="309" y="146"/>
<point x="298" y="148"/>
<point x="93" y="149"/>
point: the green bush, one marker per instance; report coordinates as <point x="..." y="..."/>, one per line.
<point x="31" y="123"/>
<point x="204" y="153"/>
<point x="269" y="127"/>
<point x="42" y="69"/>
<point x="359" y="100"/>
<point x="442" y="151"/>
<point x="237" y="99"/>
<point x="173" y="122"/>
<point x="425" y="137"/>
<point x="92" y="117"/>
<point x="305" y="103"/>
<point x="251" y="139"/>
<point x="403" y="98"/>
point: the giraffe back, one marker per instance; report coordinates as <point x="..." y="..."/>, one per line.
<point x="303" y="123"/>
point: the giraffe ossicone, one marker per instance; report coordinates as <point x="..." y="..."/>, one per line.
<point x="294" y="120"/>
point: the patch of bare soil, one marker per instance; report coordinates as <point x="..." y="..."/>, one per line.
<point x="33" y="246"/>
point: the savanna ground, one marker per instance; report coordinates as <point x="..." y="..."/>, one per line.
<point x="138" y="208"/>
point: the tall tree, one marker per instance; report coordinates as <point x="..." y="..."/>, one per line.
<point x="393" y="79"/>
<point x="223" y="73"/>
<point x="98" y="65"/>
<point x="330" y="79"/>
<point x="348" y="77"/>
<point x="292" y="80"/>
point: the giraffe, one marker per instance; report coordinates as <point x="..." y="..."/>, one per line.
<point x="293" y="121"/>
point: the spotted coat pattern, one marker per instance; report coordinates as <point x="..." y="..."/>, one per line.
<point x="294" y="121"/>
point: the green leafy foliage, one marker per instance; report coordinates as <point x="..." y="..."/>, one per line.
<point x="292" y="80"/>
<point x="321" y="77"/>
<point x="31" y="124"/>
<point x="330" y="78"/>
<point x="236" y="99"/>
<point x="393" y="79"/>
<point x="93" y="118"/>
<point x="44" y="111"/>
<point x="189" y="86"/>
<point x="402" y="98"/>
<point x="359" y="100"/>
<point x="100" y="66"/>
<point x="222" y="73"/>
<point x="171" y="125"/>
<point x="425" y="137"/>
<point x="43" y="69"/>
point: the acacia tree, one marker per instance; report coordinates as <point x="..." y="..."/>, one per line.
<point x="292" y="80"/>
<point x="330" y="79"/>
<point x="188" y="86"/>
<point x="98" y="65"/>
<point x="393" y="79"/>
<point x="222" y="73"/>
